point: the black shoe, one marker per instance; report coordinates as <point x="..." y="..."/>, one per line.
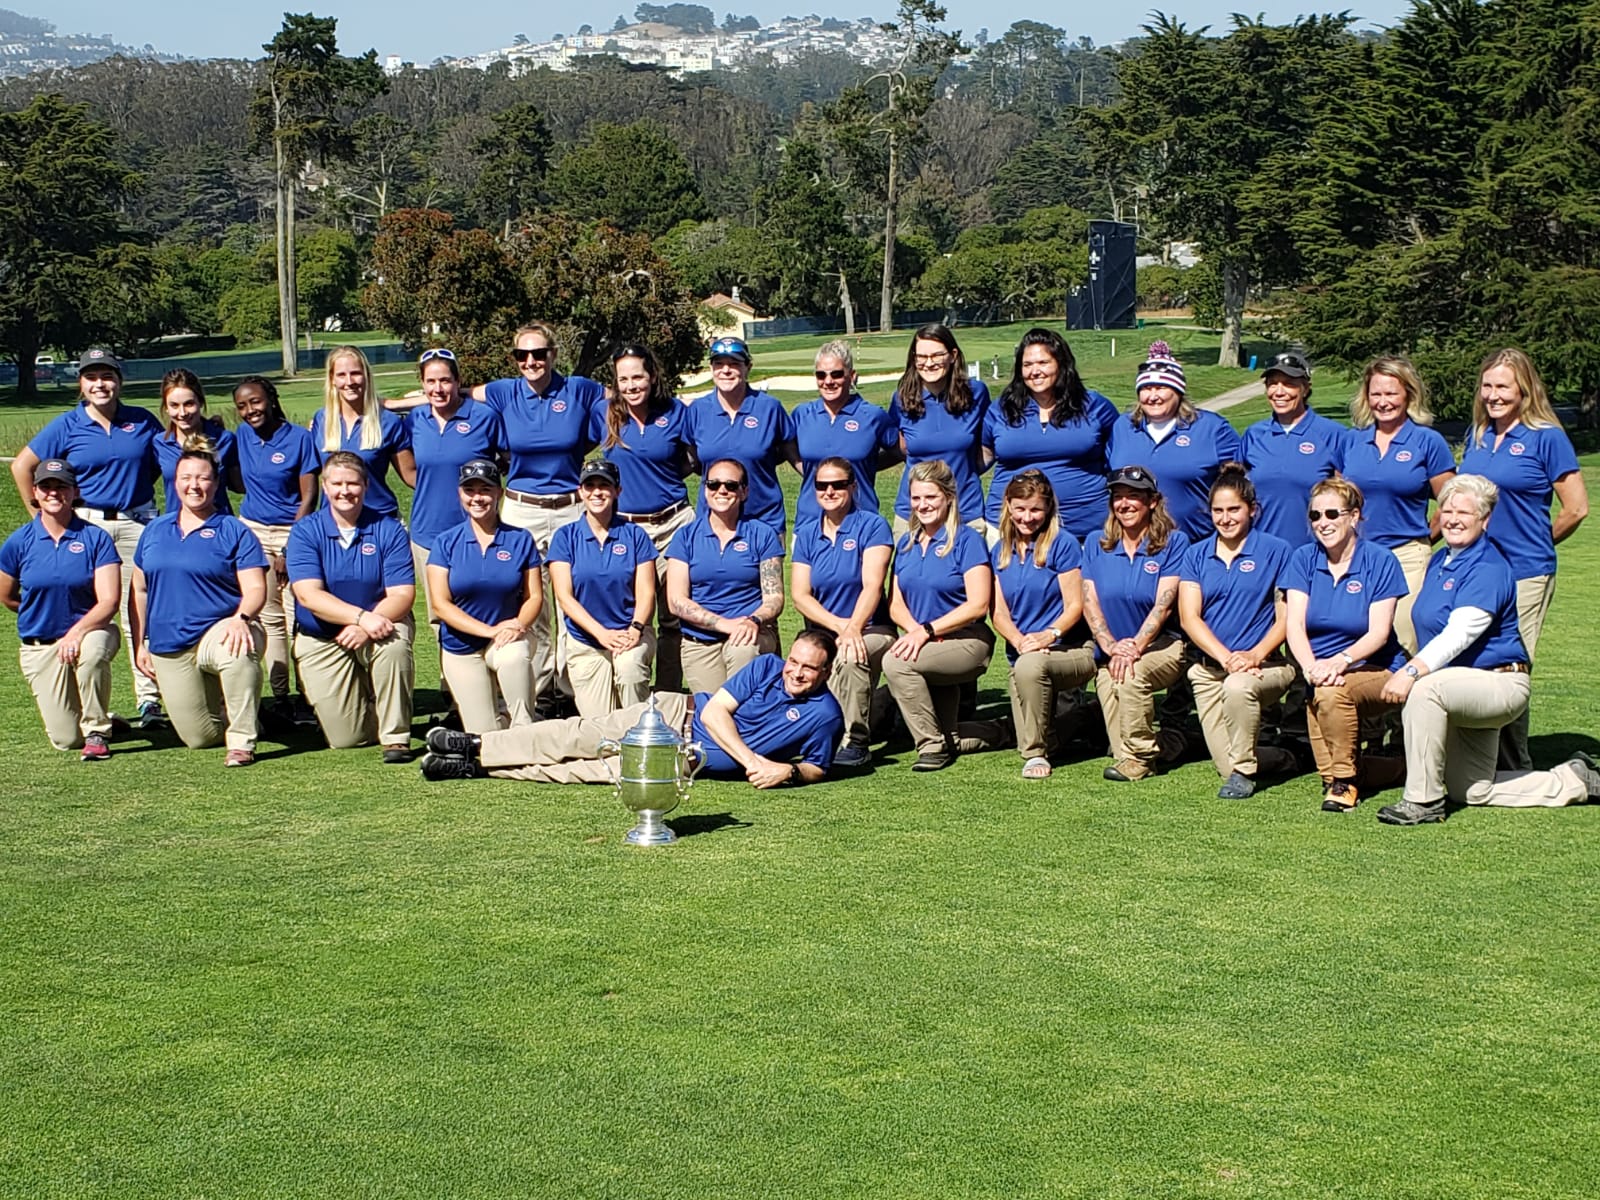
<point x="1238" y="787"/>
<point x="453" y="742"/>
<point x="396" y="756"/>
<point x="935" y="761"/>
<point x="851" y="755"/>
<point x="449" y="766"/>
<point x="1586" y="769"/>
<point x="302" y="714"/>
<point x="1406" y="813"/>
<point x="151" y="717"/>
<point x="1343" y="797"/>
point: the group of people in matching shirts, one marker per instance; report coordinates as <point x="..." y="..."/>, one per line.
<point x="1148" y="552"/>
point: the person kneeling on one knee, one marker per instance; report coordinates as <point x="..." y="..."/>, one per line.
<point x="773" y="723"/>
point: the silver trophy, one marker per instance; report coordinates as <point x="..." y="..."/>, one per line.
<point x="654" y="769"/>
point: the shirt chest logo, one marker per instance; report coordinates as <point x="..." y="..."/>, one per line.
<point x="278" y="458"/>
<point x="75" y="547"/>
<point x="1517" y="449"/>
<point x="1308" y="447"/>
<point x="661" y="422"/>
<point x="792" y="714"/>
<point x="559" y="406"/>
<point x="208" y="533"/>
<point x="1181" y="440"/>
<point x="1247" y="566"/>
<point x="852" y="425"/>
<point x="619" y="550"/>
<point x="1403" y="456"/>
<point x="741" y="545"/>
<point x="1449" y="585"/>
<point x="751" y="422"/>
<point x="848" y="544"/>
<point x="1353" y="587"/>
<point x="1152" y="567"/>
<point x="503" y="555"/>
<point x="126" y="428"/>
<point x="463" y="427"/>
<point x="368" y="549"/>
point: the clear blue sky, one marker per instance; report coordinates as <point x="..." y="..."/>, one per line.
<point x="422" y="32"/>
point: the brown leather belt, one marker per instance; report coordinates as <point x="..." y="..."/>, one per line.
<point x="1511" y="669"/>
<point x="559" y="500"/>
<point x="655" y="518"/>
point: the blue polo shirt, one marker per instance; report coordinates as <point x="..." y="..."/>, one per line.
<point x="169" y="449"/>
<point x="956" y="441"/>
<point x="116" y="470"/>
<point x="859" y="435"/>
<point x="396" y="437"/>
<point x="377" y="558"/>
<point x="1072" y="457"/>
<point x="485" y="582"/>
<point x="56" y="577"/>
<point x="192" y="579"/>
<point x="836" y="564"/>
<point x="773" y="723"/>
<point x="1032" y="592"/>
<point x="1126" y="586"/>
<point x="1284" y="464"/>
<point x="1477" y="577"/>
<point x="547" y="435"/>
<point x="602" y="571"/>
<point x="271" y="468"/>
<point x="1525" y="468"/>
<point x="1395" y="487"/>
<point x="1336" y="612"/>
<point x="651" y="459"/>
<point x="1185" y="463"/>
<point x="725" y="580"/>
<point x="933" y="586"/>
<point x="1237" y="599"/>
<point x="754" y="436"/>
<point x="474" y="432"/>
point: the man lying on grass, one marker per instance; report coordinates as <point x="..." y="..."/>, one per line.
<point x="774" y="722"/>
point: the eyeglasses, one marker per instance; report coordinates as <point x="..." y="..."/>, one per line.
<point x="832" y="485"/>
<point x="723" y="485"/>
<point x="823" y="376"/>
<point x="729" y="347"/>
<point x="536" y="354"/>
<point x="439" y="352"/>
<point x="1327" y="514"/>
<point x="930" y="360"/>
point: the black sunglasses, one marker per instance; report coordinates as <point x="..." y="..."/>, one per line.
<point x="1331" y="514"/>
<point x="723" y="485"/>
<point x="832" y="485"/>
<point x="826" y="375"/>
<point x="537" y="354"/>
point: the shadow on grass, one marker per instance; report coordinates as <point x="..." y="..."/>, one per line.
<point x="698" y="823"/>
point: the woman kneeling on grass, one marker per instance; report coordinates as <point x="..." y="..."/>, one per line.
<point x="1470" y="678"/>
<point x="942" y="586"/>
<point x="1236" y="621"/>
<point x="1342" y="595"/>
<point x="1038" y="601"/>
<point x="354" y="586"/>
<point x="199" y="584"/>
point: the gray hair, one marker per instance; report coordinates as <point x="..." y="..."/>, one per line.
<point x="839" y="350"/>
<point x="1483" y="492"/>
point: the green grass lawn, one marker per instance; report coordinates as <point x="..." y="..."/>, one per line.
<point x="325" y="977"/>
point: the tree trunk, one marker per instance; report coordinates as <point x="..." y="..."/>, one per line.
<point x="886" y="308"/>
<point x="1235" y="282"/>
<point x="25" y="341"/>
<point x="845" y="303"/>
<point x="284" y="250"/>
<point x="291" y="330"/>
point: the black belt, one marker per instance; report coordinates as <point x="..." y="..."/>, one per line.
<point x="40" y="641"/>
<point x="559" y="500"/>
<point x="106" y="514"/>
<point x="670" y="510"/>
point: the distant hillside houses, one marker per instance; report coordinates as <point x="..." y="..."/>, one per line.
<point x="28" y="44"/>
<point x="674" y="50"/>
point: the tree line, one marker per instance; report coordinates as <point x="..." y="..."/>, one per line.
<point x="1430" y="190"/>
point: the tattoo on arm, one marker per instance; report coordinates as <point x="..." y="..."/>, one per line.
<point x="1158" y="615"/>
<point x="1098" y="626"/>
<point x="703" y="618"/>
<point x="771" y="588"/>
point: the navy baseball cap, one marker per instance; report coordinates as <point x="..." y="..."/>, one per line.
<point x="99" y="356"/>
<point x="602" y="470"/>
<point x="1291" y="363"/>
<point x="55" y="470"/>
<point x="1140" y="479"/>
<point x="730" y="347"/>
<point x="481" y="469"/>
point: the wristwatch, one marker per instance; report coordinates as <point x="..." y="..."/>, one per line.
<point x="1411" y="670"/>
<point x="636" y="626"/>
<point x="1349" y="659"/>
<point x="927" y="628"/>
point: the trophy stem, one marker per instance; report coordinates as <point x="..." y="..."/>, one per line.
<point x="652" y="830"/>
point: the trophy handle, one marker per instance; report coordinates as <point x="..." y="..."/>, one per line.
<point x="694" y="757"/>
<point x="610" y="749"/>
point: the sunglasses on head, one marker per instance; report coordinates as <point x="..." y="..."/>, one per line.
<point x="536" y="354"/>
<point x="832" y="485"/>
<point x="429" y="355"/>
<point x="823" y="376"/>
<point x="723" y="485"/>
<point x="1329" y="514"/>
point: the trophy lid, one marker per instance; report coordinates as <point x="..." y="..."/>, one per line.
<point x="651" y="730"/>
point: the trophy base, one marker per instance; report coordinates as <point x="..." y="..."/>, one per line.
<point x="652" y="830"/>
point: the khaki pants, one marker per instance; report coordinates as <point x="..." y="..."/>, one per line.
<point x="277" y="616"/>
<point x="126" y="535"/>
<point x="207" y="683"/>
<point x="669" y="642"/>
<point x="361" y="695"/>
<point x="1413" y="556"/>
<point x="569" y="751"/>
<point x="852" y="682"/>
<point x="929" y="691"/>
<point x="1129" y="707"/>
<point x="1333" y="719"/>
<point x="1230" y="705"/>
<point x="603" y="682"/>
<point x="549" y="652"/>
<point x="709" y="665"/>
<point x="475" y="678"/>
<point x="1035" y="679"/>
<point x="73" y="697"/>
<point x="1453" y="719"/>
<point x="1533" y="604"/>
